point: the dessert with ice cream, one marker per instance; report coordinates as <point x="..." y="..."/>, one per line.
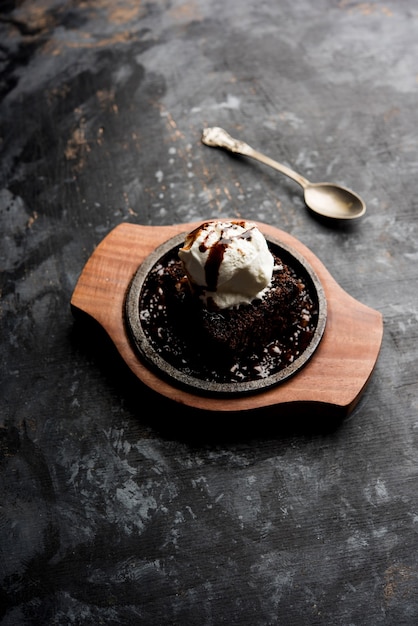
<point x="227" y="306"/>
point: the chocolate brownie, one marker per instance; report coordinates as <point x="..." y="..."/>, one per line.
<point x="225" y="345"/>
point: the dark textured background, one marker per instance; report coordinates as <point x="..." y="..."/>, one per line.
<point x="116" y="508"/>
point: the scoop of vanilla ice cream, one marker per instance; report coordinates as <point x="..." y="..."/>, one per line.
<point x="228" y="262"/>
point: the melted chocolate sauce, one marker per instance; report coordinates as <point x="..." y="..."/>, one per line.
<point x="217" y="253"/>
<point x="213" y="263"/>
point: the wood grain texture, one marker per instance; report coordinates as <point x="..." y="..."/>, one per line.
<point x="336" y="375"/>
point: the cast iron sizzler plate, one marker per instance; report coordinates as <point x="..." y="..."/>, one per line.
<point x="177" y="358"/>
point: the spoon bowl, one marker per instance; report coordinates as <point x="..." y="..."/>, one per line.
<point x="326" y="199"/>
<point x="333" y="201"/>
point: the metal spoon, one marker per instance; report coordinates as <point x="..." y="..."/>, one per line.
<point x="327" y="199"/>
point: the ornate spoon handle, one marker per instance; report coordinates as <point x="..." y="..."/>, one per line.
<point x="216" y="137"/>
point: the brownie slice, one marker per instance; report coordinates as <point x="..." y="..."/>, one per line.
<point x="224" y="335"/>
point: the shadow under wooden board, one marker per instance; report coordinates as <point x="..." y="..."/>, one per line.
<point x="334" y="377"/>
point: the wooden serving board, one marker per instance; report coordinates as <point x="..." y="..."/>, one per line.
<point x="335" y="376"/>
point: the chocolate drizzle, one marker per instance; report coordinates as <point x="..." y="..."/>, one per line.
<point x="217" y="249"/>
<point x="213" y="264"/>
